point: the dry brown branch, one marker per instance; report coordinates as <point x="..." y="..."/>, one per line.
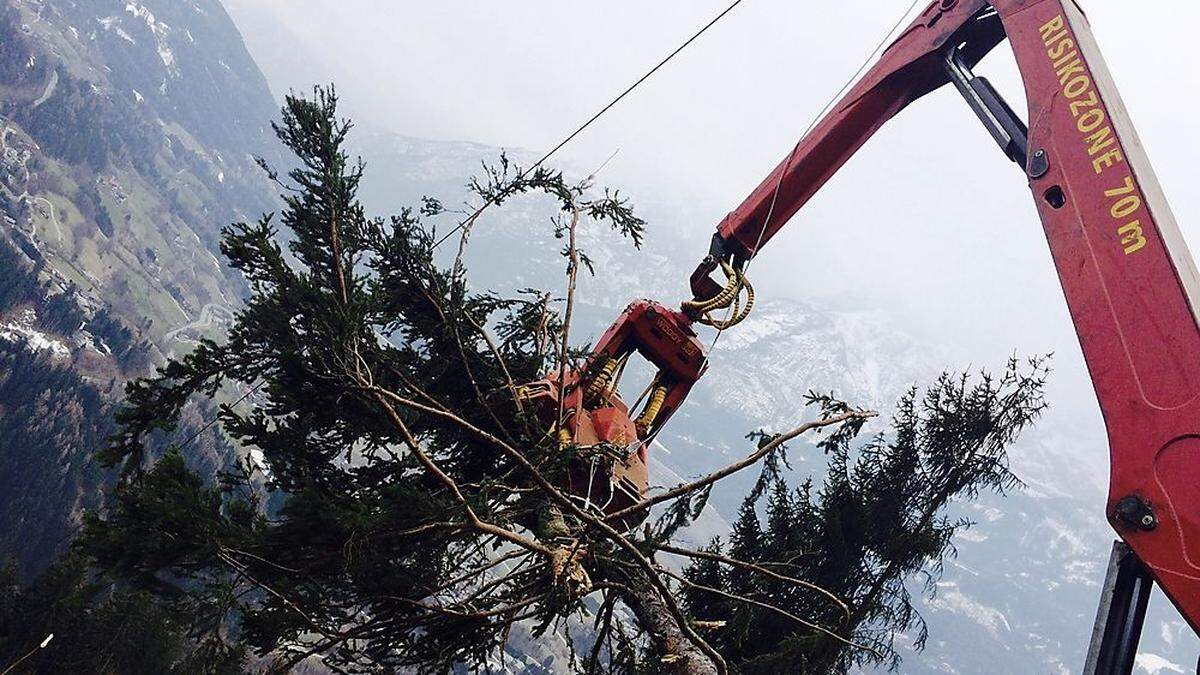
<point x="470" y="574"/>
<point x="771" y="608"/>
<point x="604" y="629"/>
<point x="509" y="578"/>
<point x="241" y="569"/>
<point x="236" y="551"/>
<point x="572" y="278"/>
<point x="466" y="227"/>
<point x="285" y="665"/>
<point x="542" y="331"/>
<point x="616" y="537"/>
<point x="423" y="528"/>
<point x="508" y="380"/>
<point x="435" y="301"/>
<point x="436" y="471"/>
<point x="734" y="562"/>
<point x="336" y="243"/>
<point x="470" y="614"/>
<point x="749" y="460"/>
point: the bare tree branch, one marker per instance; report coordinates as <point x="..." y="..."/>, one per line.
<point x="436" y="472"/>
<point x="564" y="501"/>
<point x="733" y="562"/>
<point x="767" y="606"/>
<point x="750" y="460"/>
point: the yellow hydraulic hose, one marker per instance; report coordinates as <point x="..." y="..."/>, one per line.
<point x="728" y="298"/>
<point x="600" y="382"/>
<point x="653" y="407"/>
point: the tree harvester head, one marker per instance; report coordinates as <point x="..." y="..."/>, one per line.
<point x="608" y="470"/>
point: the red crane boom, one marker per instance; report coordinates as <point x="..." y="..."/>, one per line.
<point x="1129" y="280"/>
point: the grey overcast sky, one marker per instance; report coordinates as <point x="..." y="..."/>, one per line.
<point x="929" y="220"/>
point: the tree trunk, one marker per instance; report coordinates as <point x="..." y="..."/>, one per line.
<point x="679" y="654"/>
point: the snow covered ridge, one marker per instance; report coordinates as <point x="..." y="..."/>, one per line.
<point x="158" y="29"/>
<point x="23" y="332"/>
<point x="788" y="347"/>
<point x="110" y="23"/>
<point x="951" y="599"/>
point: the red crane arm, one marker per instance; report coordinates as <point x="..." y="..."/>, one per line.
<point x="910" y="68"/>
<point x="1128" y="277"/>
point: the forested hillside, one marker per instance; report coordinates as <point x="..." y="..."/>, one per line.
<point x="128" y="138"/>
<point x="46" y="412"/>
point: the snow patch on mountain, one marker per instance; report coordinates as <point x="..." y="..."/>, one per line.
<point x="1061" y="539"/>
<point x="1153" y="664"/>
<point x="786" y="348"/>
<point x="23" y="330"/>
<point x="1083" y="573"/>
<point x="112" y="23"/>
<point x="972" y="535"/>
<point x="951" y="599"/>
<point x="160" y="31"/>
<point x="1171" y="631"/>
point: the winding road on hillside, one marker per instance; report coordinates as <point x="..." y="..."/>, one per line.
<point x="3" y="149"/>
<point x="49" y="90"/>
<point x="25" y="196"/>
<point x="53" y="216"/>
<point x="210" y="314"/>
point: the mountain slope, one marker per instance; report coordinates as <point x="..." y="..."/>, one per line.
<point x="128" y="132"/>
<point x="129" y="135"/>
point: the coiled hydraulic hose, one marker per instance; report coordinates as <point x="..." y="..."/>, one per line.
<point x="730" y="297"/>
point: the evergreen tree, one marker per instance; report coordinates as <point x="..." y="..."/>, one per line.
<point x="391" y="450"/>
<point x="64" y="622"/>
<point x="406" y="510"/>
<point x="880" y="520"/>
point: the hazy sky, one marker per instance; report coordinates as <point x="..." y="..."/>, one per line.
<point x="929" y="220"/>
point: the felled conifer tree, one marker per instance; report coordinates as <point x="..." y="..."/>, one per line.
<point x="410" y="486"/>
<point x="416" y="517"/>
